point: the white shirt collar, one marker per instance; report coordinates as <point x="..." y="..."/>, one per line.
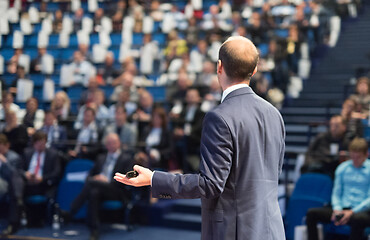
<point x="231" y="89"/>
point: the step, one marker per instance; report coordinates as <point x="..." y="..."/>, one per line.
<point x="304" y="129"/>
<point x="187" y="206"/>
<point x="296" y="140"/>
<point x="295" y="149"/>
<point x="183" y="220"/>
<point x="305" y="119"/>
<point x="309" y="111"/>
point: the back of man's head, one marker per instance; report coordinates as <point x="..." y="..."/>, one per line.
<point x="239" y="57"/>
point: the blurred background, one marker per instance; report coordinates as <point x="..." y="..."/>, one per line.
<point x="80" y="76"/>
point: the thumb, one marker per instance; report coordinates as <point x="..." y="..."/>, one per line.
<point x="138" y="168"/>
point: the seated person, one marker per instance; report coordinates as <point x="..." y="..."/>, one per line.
<point x="125" y="82"/>
<point x="188" y="129"/>
<point x="41" y="167"/>
<point x="92" y="86"/>
<point x="327" y="149"/>
<point x="32" y="116"/>
<point x="88" y="135"/>
<point x="57" y="135"/>
<point x="97" y="103"/>
<point x="16" y="133"/>
<point x="352" y="118"/>
<point x="41" y="171"/>
<point x="61" y="105"/>
<point x="124" y="100"/>
<point x="10" y="183"/>
<point x="362" y="96"/>
<point x="156" y="142"/>
<point x="108" y="72"/>
<point x="39" y="64"/>
<point x="350" y="196"/>
<point x="7" y="104"/>
<point x="142" y="115"/>
<point x="82" y="69"/>
<point x="126" y="131"/>
<point x="100" y="186"/>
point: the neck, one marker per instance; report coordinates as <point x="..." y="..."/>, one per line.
<point x="232" y="83"/>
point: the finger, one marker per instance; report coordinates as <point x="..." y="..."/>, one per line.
<point x="120" y="175"/>
<point x="122" y="180"/>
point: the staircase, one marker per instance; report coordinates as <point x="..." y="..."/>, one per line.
<point x="181" y="213"/>
<point x="330" y="83"/>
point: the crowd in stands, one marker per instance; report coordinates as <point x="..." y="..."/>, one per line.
<point x="342" y="153"/>
<point x="113" y="53"/>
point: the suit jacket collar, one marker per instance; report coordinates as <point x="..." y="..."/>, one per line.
<point x="237" y="92"/>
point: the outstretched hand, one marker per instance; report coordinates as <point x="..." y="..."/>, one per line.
<point x="143" y="179"/>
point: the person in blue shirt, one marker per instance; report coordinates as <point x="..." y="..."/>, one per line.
<point x="350" y="203"/>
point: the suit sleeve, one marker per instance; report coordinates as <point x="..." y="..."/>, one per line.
<point x="216" y="160"/>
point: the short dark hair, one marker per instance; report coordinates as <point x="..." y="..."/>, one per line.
<point x="39" y="135"/>
<point x="161" y="112"/>
<point x="3" y="139"/>
<point x="236" y="67"/>
<point x="120" y="106"/>
<point x="90" y="109"/>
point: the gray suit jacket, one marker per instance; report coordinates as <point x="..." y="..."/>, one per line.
<point x="242" y="150"/>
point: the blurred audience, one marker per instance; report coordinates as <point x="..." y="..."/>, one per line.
<point x="328" y="149"/>
<point x="100" y="186"/>
<point x="350" y="196"/>
<point x="16" y="133"/>
<point x="156" y="145"/>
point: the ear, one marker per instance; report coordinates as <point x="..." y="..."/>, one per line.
<point x="219" y="67"/>
<point x="254" y="71"/>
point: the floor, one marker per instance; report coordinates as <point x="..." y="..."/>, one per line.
<point x="79" y="231"/>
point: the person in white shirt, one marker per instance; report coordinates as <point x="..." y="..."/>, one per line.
<point x="102" y="112"/>
<point x="148" y="53"/>
<point x="82" y="69"/>
<point x="87" y="136"/>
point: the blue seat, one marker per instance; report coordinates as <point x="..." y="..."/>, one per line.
<point x="108" y="90"/>
<point x="158" y="93"/>
<point x="72" y="183"/>
<point x="32" y="52"/>
<point x="137" y="39"/>
<point x="36" y="199"/>
<point x="116" y="39"/>
<point x="38" y="79"/>
<point x="283" y="33"/>
<point x="73" y="41"/>
<point x="8" y="41"/>
<point x="31" y="40"/>
<point x="160" y="38"/>
<point x="74" y="92"/>
<point x="114" y="205"/>
<point x="94" y="39"/>
<point x="54" y="40"/>
<point x="7" y="53"/>
<point x="55" y="53"/>
<point x="264" y="49"/>
<point x="311" y="190"/>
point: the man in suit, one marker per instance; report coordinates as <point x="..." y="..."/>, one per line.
<point x="100" y="186"/>
<point x="41" y="173"/>
<point x="57" y="134"/>
<point x="41" y="167"/>
<point x="126" y="131"/>
<point x="10" y="183"/>
<point x="242" y="149"/>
